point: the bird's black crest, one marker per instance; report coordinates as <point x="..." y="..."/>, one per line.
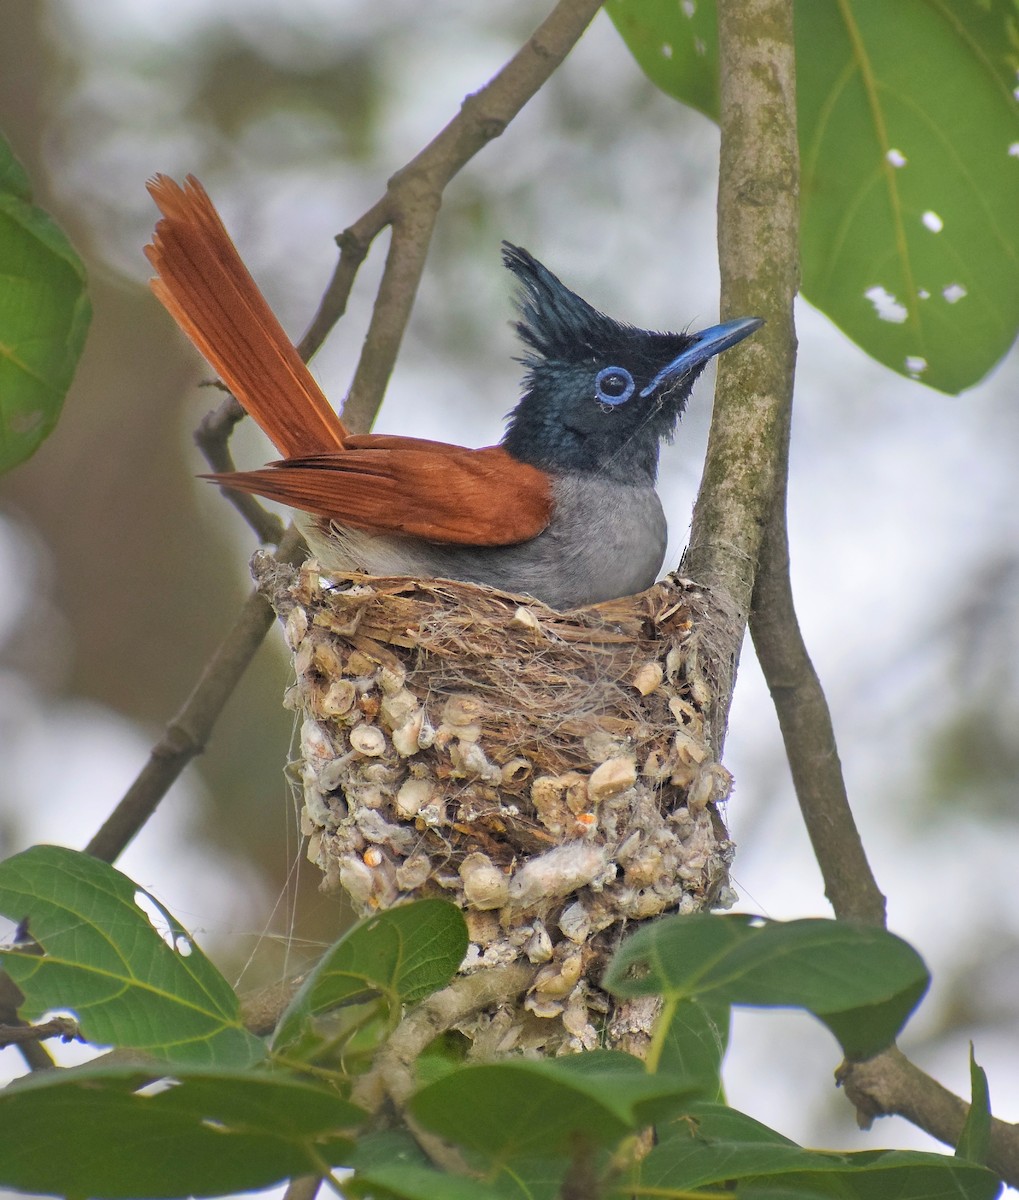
<point x="555" y="322"/>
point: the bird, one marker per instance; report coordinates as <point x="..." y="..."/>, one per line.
<point x="563" y="510"/>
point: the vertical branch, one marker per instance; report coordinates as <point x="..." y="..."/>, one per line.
<point x="808" y="735"/>
<point x="758" y="232"/>
<point x="739" y="541"/>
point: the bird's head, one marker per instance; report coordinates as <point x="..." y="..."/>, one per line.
<point x="599" y="395"/>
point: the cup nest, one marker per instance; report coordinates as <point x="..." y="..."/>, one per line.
<point x="550" y="773"/>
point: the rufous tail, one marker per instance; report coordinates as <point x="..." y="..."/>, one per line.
<point x="209" y="292"/>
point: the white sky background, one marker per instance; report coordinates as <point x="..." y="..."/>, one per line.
<point x="900" y="497"/>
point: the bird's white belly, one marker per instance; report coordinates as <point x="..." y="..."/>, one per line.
<point x="605" y="540"/>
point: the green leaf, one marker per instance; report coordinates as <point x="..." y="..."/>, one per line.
<point x="391" y="1164"/>
<point x="693" y="1036"/>
<point x="418" y="1183"/>
<point x="107" y="1132"/>
<point x="909" y="183"/>
<point x="443" y="1054"/>
<point x="403" y="955"/>
<point x="385" y="1148"/>
<point x="44" y="316"/>
<point x="786" y="1190"/>
<point x="716" y="1145"/>
<point x="520" y="1108"/>
<point x="103" y="961"/>
<point x="975" y="1138"/>
<point x="909" y="179"/>
<point x="860" y="981"/>
<point x="676" y="46"/>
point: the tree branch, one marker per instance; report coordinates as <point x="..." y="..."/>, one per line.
<point x="212" y="437"/>
<point x="758" y="235"/>
<point x="392" y="1076"/>
<point x="807" y="733"/>
<point x="739" y="542"/>
<point x="21" y="1033"/>
<point x="187" y="733"/>
<point x="305" y="1187"/>
<point x="412" y="201"/>
<point x="410" y="205"/>
<point x="890" y="1085"/>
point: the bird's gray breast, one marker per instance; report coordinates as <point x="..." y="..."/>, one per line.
<point x="606" y="539"/>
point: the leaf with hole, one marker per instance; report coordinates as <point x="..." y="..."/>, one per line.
<point x="909" y="149"/>
<point x="96" y="954"/>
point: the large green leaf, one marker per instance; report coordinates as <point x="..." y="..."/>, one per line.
<point x="524" y="1122"/>
<point x="860" y="981"/>
<point x="676" y="45"/>
<point x="402" y="955"/>
<point x="910" y="189"/>
<point x="398" y="1182"/>
<point x="44" y="316"/>
<point x="107" y="1132"/>
<point x="514" y="1108"/>
<point x="391" y="1165"/>
<point x="103" y="960"/>
<point x="716" y="1145"/>
<point x="908" y="132"/>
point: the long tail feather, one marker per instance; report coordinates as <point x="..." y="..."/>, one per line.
<point x="209" y="292"/>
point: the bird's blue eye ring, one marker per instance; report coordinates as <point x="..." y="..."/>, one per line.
<point x="613" y="386"/>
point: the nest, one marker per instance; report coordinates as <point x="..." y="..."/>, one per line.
<point x="549" y="772"/>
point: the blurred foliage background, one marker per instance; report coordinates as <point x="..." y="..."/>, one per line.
<point x="119" y="572"/>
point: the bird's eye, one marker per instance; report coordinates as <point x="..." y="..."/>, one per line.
<point x="613" y="385"/>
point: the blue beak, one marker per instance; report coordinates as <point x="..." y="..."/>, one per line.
<point x="705" y="345"/>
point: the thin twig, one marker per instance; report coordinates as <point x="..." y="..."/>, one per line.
<point x="304" y="1188"/>
<point x="212" y="437"/>
<point x="34" y="1054"/>
<point x="21" y="1033"/>
<point x="412" y="201"/>
<point x="188" y="732"/>
<point x="808" y="735"/>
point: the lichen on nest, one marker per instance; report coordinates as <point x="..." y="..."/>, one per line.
<point x="549" y="772"/>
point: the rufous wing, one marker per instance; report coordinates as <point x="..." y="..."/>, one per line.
<point x="413" y="488"/>
<point x="209" y="292"/>
<point x="378" y="483"/>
